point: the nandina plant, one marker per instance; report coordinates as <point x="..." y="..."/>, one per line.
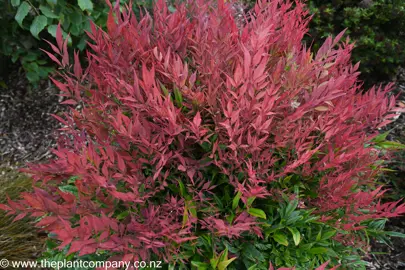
<point x="212" y="144"/>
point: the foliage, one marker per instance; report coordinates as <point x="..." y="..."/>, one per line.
<point x="30" y="21"/>
<point x="18" y="240"/>
<point x="207" y="146"/>
<point x="376" y="26"/>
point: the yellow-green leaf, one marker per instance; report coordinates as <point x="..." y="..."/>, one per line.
<point x="224" y="264"/>
<point x="235" y="200"/>
<point x="257" y="212"/>
<point x="280" y="238"/>
<point x="296" y="235"/>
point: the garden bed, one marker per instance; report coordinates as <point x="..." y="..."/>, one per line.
<point x="28" y="134"/>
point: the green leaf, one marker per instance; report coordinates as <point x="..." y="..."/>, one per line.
<point x="290" y="208"/>
<point x="48" y="12"/>
<point x="235" y="200"/>
<point x="185" y="216"/>
<point x="182" y="188"/>
<point x="250" y="201"/>
<point x="224" y="264"/>
<point x="381" y="137"/>
<point x="395" y="234"/>
<point x="123" y="215"/>
<point x="85" y="5"/>
<point x="318" y="250"/>
<point x="224" y="255"/>
<point x="200" y="265"/>
<point x="178" y="98"/>
<point x="390" y="145"/>
<point x="22" y="12"/>
<point x="280" y="238"/>
<point x="72" y="179"/>
<point x="296" y="235"/>
<point x="15" y="3"/>
<point x="52" y="2"/>
<point x="214" y="262"/>
<point x="69" y="189"/>
<point x="328" y="234"/>
<point x="38" y="25"/>
<point x="253" y="267"/>
<point x="257" y="213"/>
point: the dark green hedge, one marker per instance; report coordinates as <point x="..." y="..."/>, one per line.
<point x="376" y="26"/>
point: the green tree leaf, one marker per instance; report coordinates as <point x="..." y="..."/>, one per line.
<point x="85" y="5"/>
<point x="22" y="12"/>
<point x="15" y="3"/>
<point x="280" y="238"/>
<point x="48" y="12"/>
<point x="257" y="213"/>
<point x="38" y="25"/>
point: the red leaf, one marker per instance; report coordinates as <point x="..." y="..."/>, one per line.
<point x="197" y="120"/>
<point x="69" y="101"/>
<point x="20" y="216"/>
<point x="111" y="26"/>
<point x="59" y="37"/>
<point x="53" y="58"/>
<point x="65" y="59"/>
<point x="77" y="67"/>
<point x="5" y="207"/>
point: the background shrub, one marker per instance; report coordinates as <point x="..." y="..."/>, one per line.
<point x="209" y="146"/>
<point x="29" y="22"/>
<point x="376" y="26"/>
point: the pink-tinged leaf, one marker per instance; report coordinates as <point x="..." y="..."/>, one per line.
<point x="59" y="37"/>
<point x="238" y="74"/>
<point x="111" y="25"/>
<point x="77" y="66"/>
<point x="121" y="164"/>
<point x="69" y="102"/>
<point x="65" y="59"/>
<point x="5" y="207"/>
<point x="20" y="216"/>
<point x="323" y="266"/>
<point x="197" y="120"/>
<point x="247" y="61"/>
<point x="54" y="48"/>
<point x="53" y="58"/>
<point x="321" y="108"/>
<point x="46" y="221"/>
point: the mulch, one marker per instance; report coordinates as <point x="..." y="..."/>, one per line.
<point x="27" y="129"/>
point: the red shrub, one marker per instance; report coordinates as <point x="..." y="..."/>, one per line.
<point x="170" y="102"/>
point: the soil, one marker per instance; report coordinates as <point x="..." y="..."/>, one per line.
<point x="28" y="133"/>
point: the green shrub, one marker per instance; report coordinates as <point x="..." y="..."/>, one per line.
<point x="30" y="21"/>
<point x="376" y="27"/>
